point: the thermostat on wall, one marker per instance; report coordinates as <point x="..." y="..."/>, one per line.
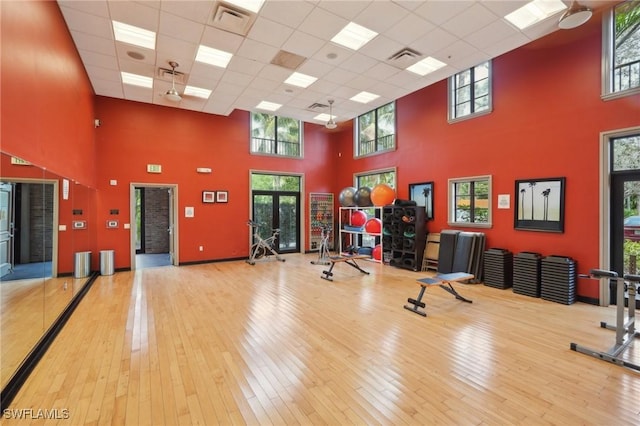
<point x="112" y="224"/>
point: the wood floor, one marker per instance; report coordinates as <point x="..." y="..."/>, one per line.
<point x="229" y="343"/>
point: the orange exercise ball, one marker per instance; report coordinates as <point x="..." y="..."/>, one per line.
<point x="382" y="195"/>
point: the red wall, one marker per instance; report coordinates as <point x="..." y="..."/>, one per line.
<point x="546" y="122"/>
<point x="133" y="135"/>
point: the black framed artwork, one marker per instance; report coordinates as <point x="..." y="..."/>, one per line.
<point x="422" y="194"/>
<point x="540" y="204"/>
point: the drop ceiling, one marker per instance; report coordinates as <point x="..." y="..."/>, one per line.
<point x="459" y="33"/>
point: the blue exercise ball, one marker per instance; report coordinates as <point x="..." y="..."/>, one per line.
<point x="346" y="197"/>
<point x="363" y="197"/>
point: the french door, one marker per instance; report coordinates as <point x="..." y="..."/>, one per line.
<point x="278" y="209"/>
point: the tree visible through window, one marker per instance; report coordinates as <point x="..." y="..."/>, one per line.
<point x="274" y="135"/>
<point x="470" y="201"/>
<point x="376" y="130"/>
<point x="622" y="49"/>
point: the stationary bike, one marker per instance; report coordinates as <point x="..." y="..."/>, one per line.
<point x="323" y="251"/>
<point x="262" y="247"/>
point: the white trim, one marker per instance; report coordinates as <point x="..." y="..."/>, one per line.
<point x="451" y="202"/>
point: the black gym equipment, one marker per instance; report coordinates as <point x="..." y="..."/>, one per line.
<point x="348" y="259"/>
<point x="624" y="328"/>
<point x="444" y="282"/>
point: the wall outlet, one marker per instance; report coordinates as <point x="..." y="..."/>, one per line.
<point x="201" y="248"/>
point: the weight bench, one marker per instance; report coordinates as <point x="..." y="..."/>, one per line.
<point x="348" y="259"/>
<point x="444" y="282"/>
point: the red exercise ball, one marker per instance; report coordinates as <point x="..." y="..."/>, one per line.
<point x="377" y="252"/>
<point x="358" y="218"/>
<point x="373" y="226"/>
<point x="382" y="195"/>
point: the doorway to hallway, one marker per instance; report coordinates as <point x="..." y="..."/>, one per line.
<point x="153" y="228"/>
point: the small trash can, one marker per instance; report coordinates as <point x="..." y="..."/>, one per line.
<point x="82" y="264"/>
<point x="106" y="262"/>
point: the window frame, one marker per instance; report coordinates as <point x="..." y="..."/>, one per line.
<point x="377" y="151"/>
<point x="452" y="90"/>
<point x="451" y="204"/>
<point x="608" y="62"/>
<point x="300" y="143"/>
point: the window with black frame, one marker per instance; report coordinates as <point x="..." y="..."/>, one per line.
<point x="376" y="131"/>
<point x="470" y="92"/>
<point x="470" y="201"/>
<point x="273" y="135"/>
<point x="621" y="50"/>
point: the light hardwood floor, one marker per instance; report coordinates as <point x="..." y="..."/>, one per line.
<point x="230" y="343"/>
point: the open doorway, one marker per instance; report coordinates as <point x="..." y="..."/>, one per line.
<point x="153" y="228"/>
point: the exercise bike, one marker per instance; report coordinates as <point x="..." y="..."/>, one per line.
<point x="263" y="246"/>
<point x="323" y="251"/>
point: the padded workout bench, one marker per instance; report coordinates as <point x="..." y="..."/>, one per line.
<point x="348" y="259"/>
<point x="444" y="282"/>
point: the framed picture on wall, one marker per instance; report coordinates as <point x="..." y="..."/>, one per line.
<point x="208" y="196"/>
<point x="222" y="196"/>
<point x="422" y="194"/>
<point x="539" y="204"/>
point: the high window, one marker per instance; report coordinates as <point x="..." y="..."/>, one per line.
<point x="621" y="50"/>
<point x="470" y="92"/>
<point x="372" y="178"/>
<point x="470" y="201"/>
<point x="376" y="131"/>
<point x="272" y="135"/>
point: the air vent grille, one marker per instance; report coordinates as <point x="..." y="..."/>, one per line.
<point x="317" y="107"/>
<point x="228" y="18"/>
<point x="167" y="73"/>
<point x="404" y="58"/>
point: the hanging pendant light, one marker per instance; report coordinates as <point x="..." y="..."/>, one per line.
<point x="331" y="124"/>
<point x="575" y="16"/>
<point x="172" y="94"/>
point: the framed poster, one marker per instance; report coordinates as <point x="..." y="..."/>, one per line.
<point x="540" y="204"/>
<point x="422" y="194"/>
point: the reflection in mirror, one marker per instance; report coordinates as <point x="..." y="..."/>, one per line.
<point x="24" y="261"/>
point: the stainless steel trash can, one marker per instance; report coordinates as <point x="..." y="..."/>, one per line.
<point x="106" y="262"/>
<point x="82" y="264"/>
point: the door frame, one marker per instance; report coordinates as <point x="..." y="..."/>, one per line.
<point x="605" y="204"/>
<point x="173" y="220"/>
<point x="302" y="210"/>
<point x="56" y="215"/>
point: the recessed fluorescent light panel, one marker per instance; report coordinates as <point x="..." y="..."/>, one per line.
<point x="300" y="80"/>
<point x="136" y="80"/>
<point x="364" y="97"/>
<point x="324" y="117"/>
<point x="426" y="66"/>
<point x="354" y="36"/>
<point x="534" y="12"/>
<point x="250" y="5"/>
<point x="198" y="92"/>
<point x="269" y="106"/>
<point x="134" y="35"/>
<point x="211" y="56"/>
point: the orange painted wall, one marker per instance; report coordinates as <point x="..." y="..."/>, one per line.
<point x="546" y="122"/>
<point x="133" y="135"/>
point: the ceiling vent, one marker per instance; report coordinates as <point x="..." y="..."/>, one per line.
<point x="168" y="73"/>
<point x="404" y="58"/>
<point x="316" y="106"/>
<point x="288" y="60"/>
<point x="232" y="19"/>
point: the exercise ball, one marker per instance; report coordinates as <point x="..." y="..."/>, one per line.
<point x="382" y="195"/>
<point x="377" y="252"/>
<point x="362" y="198"/>
<point x="373" y="226"/>
<point x="346" y="197"/>
<point x="358" y="218"/>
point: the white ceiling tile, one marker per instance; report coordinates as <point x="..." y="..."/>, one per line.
<point x="207" y="72"/>
<point x="379" y="16"/>
<point x="434" y="41"/>
<point x="82" y="22"/>
<point x="288" y="13"/>
<point x="302" y="44"/>
<point x="439" y="12"/>
<point x="381" y="48"/>
<point x="491" y="34"/>
<point x="123" y="50"/>
<point x="347" y="9"/>
<point x="139" y="94"/>
<point x="107" y="88"/>
<point x="382" y="71"/>
<point x="315" y="68"/>
<point x="505" y="45"/>
<point x="408" y="29"/>
<point x="257" y="51"/>
<point x="195" y="11"/>
<point x="180" y="28"/>
<point x="322" y="24"/>
<point x="93" y="43"/>
<point x="171" y="49"/>
<point x="95" y="7"/>
<point x="358" y="63"/>
<point x="245" y="66"/>
<point x="470" y="20"/>
<point x="332" y="54"/>
<point x="269" y="32"/>
<point x="98" y="60"/>
<point x="104" y="74"/>
<point x="275" y="73"/>
<point x="221" y="40"/>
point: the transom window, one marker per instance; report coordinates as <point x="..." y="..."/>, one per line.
<point x="272" y="135"/>
<point x="371" y="179"/>
<point x="621" y="50"/>
<point x="470" y="201"/>
<point x="376" y="131"/>
<point x="470" y="92"/>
